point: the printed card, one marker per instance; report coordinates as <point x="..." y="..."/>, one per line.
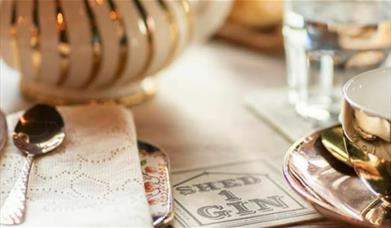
<point x="240" y="194"/>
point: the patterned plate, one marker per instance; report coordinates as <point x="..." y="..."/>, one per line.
<point x="156" y="172"/>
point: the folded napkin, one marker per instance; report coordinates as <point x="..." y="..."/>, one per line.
<point x="93" y="179"/>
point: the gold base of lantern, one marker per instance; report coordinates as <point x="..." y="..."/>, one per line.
<point x="128" y="95"/>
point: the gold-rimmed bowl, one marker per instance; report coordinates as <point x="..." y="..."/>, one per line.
<point x="85" y="51"/>
<point x="366" y="121"/>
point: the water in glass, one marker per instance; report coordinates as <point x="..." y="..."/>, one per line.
<point x="328" y="42"/>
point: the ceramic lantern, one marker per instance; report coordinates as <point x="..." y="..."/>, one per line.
<point x="83" y="51"/>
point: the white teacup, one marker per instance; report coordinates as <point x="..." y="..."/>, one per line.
<point x="366" y="121"/>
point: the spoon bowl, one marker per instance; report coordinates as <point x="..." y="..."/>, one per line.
<point x="40" y="130"/>
<point x="332" y="140"/>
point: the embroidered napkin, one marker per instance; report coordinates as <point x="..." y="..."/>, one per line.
<point x="93" y="179"/>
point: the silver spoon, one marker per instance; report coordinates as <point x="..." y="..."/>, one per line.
<point x="39" y="131"/>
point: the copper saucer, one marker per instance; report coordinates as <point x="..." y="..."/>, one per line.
<point x="327" y="183"/>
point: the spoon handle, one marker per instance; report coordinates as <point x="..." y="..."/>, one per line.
<point x="13" y="209"/>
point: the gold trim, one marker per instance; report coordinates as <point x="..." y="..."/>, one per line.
<point x="116" y="17"/>
<point x="63" y="48"/>
<point x="189" y="16"/>
<point x="173" y="25"/>
<point x="149" y="29"/>
<point x="144" y="91"/>
<point x="97" y="46"/>
<point x="36" y="56"/>
<point x="13" y="34"/>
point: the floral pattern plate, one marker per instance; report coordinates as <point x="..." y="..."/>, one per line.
<point x="156" y="172"/>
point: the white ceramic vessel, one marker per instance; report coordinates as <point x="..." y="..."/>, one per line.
<point x="366" y="122"/>
<point x="99" y="50"/>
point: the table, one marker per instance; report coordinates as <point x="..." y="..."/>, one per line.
<point x="199" y="116"/>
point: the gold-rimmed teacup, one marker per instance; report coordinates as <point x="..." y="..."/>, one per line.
<point x="366" y="121"/>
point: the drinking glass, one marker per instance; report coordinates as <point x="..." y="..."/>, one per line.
<point x="327" y="43"/>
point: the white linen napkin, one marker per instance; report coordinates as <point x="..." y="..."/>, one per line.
<point x="94" y="179"/>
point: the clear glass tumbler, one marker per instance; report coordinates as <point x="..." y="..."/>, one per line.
<point x="327" y="43"/>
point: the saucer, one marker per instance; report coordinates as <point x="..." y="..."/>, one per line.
<point x="328" y="184"/>
<point x="155" y="167"/>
